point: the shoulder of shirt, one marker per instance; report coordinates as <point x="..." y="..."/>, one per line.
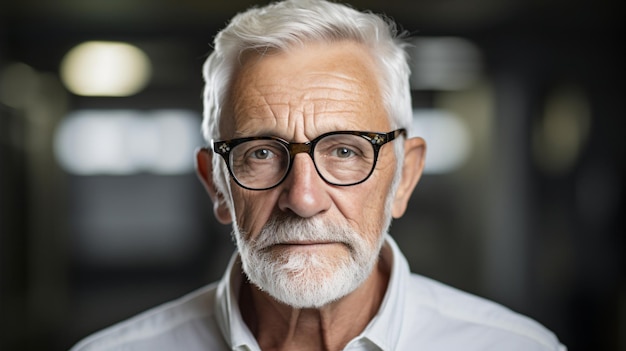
<point x="158" y="320"/>
<point x="461" y="306"/>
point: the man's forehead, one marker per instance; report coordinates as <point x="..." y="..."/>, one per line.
<point x="322" y="87"/>
<point x="313" y="116"/>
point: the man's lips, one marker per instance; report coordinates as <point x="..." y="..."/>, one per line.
<point x="303" y="244"/>
<point x="308" y="242"/>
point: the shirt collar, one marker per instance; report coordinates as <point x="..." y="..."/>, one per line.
<point x="382" y="331"/>
<point x="229" y="319"/>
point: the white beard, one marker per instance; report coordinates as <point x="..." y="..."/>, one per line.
<point x="307" y="279"/>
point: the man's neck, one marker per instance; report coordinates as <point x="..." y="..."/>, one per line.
<point x="277" y="326"/>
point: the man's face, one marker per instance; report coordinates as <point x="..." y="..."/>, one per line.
<point x="299" y="95"/>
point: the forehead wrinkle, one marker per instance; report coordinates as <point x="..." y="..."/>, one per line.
<point x="345" y="92"/>
<point x="256" y="114"/>
<point x="343" y="85"/>
<point x="338" y="98"/>
<point x="251" y="109"/>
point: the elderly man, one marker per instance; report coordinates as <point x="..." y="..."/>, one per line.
<point x="307" y="105"/>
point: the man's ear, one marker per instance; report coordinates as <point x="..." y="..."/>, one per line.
<point x="204" y="170"/>
<point x="414" y="155"/>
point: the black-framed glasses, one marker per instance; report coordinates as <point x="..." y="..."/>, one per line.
<point x="341" y="158"/>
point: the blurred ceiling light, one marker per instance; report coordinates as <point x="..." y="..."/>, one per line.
<point x="447" y="139"/>
<point x="122" y="142"/>
<point x="446" y="63"/>
<point x="99" y="68"/>
<point x="561" y="133"/>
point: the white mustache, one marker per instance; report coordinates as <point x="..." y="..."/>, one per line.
<point x="288" y="230"/>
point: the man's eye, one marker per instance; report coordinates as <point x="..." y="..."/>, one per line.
<point x="262" y="154"/>
<point x="343" y="152"/>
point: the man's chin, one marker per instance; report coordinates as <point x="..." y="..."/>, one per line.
<point x="306" y="279"/>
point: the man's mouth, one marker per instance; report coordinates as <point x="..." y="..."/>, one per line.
<point x="305" y="245"/>
<point x="307" y="242"/>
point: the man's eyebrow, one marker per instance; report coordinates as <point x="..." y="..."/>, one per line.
<point x="246" y="133"/>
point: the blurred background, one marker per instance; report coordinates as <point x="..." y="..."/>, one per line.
<point x="101" y="216"/>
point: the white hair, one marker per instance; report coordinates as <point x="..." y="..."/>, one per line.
<point x="293" y="23"/>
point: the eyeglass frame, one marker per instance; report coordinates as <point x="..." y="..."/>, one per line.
<point x="376" y="139"/>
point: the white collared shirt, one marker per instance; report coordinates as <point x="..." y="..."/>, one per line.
<point x="417" y="313"/>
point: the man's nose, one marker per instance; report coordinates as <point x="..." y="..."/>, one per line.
<point x="304" y="191"/>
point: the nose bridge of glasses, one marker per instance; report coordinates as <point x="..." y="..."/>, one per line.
<point x="296" y="148"/>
